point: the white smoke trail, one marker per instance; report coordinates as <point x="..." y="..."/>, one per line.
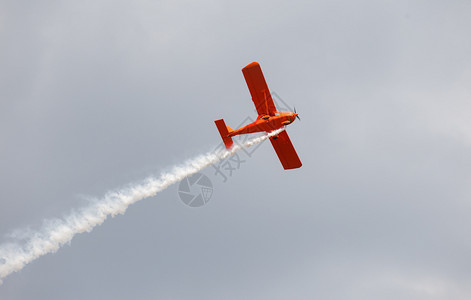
<point x="56" y="233"/>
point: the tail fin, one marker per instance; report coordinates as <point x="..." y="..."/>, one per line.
<point x="224" y="132"/>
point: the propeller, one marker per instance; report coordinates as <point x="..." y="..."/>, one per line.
<point x="297" y="115"/>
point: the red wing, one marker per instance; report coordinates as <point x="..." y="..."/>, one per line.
<point x="285" y="151"/>
<point x="258" y="89"/>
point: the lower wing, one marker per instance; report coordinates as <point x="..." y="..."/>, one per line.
<point x="285" y="151"/>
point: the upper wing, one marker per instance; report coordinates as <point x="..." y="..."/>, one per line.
<point x="285" y="151"/>
<point x="258" y="89"/>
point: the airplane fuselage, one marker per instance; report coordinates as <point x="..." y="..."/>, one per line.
<point x="266" y="123"/>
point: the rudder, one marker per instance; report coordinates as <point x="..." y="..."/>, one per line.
<point x="224" y="132"/>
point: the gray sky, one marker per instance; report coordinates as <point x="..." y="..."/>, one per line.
<point x="97" y="94"/>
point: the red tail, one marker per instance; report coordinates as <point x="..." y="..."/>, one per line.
<point x="224" y="132"/>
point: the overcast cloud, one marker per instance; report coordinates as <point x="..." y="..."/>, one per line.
<point x="95" y="95"/>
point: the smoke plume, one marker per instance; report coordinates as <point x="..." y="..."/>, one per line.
<point x="55" y="233"/>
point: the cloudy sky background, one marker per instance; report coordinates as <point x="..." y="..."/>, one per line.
<point x="97" y="94"/>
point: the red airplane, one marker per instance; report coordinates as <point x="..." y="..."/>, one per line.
<point x="268" y="119"/>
